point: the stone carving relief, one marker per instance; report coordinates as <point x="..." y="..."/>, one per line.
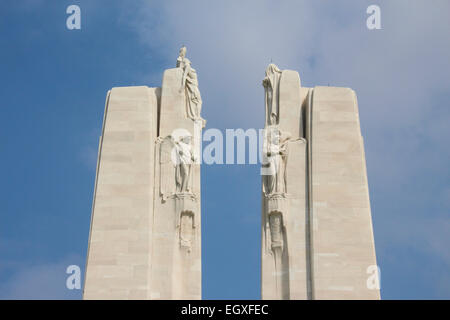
<point x="280" y="135"/>
<point x="276" y="245"/>
<point x="186" y="230"/>
<point x="179" y="168"/>
<point x="189" y="84"/>
<point x="176" y="164"/>
<point x="271" y="84"/>
<point x="275" y="146"/>
<point x="275" y="154"/>
<point x="276" y="231"/>
<point x="183" y="168"/>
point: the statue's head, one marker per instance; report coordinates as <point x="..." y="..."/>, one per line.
<point x="271" y="69"/>
<point x="183" y="51"/>
<point x="274" y="135"/>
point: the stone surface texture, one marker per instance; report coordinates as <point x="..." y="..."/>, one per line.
<point x="145" y="237"/>
<point x="317" y="238"/>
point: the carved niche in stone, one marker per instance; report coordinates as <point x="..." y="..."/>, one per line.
<point x="189" y="84"/>
<point x="187" y="229"/>
<point x="176" y="165"/>
<point x="186" y="220"/>
<point x="276" y="230"/>
<point x="185" y="161"/>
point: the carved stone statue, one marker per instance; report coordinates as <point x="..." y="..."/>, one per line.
<point x="189" y="84"/>
<point x="271" y="85"/>
<point x="276" y="151"/>
<point x="176" y="160"/>
<point x="185" y="154"/>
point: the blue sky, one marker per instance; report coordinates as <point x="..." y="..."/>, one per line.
<point x="53" y="87"/>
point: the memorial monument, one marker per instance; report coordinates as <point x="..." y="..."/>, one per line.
<point x="145" y="237"/>
<point x="317" y="238"/>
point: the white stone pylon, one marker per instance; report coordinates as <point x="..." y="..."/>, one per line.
<point x="284" y="260"/>
<point x="145" y="237"/>
<point x="317" y="238"/>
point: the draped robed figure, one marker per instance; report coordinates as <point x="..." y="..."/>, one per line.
<point x="271" y="85"/>
<point x="190" y="85"/>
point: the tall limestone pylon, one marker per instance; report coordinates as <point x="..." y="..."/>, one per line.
<point x="317" y="237"/>
<point x="145" y="237"/>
